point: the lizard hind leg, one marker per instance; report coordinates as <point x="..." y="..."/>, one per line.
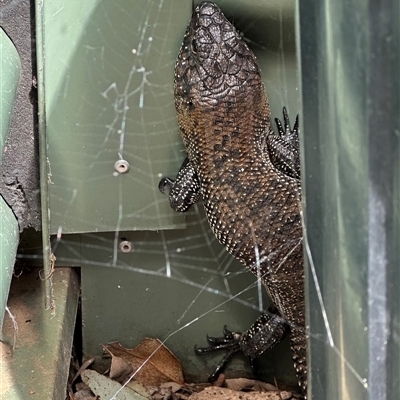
<point x="267" y="331"/>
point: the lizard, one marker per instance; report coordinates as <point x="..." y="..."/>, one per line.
<point x="247" y="176"/>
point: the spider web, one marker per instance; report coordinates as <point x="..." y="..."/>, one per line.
<point x="112" y="103"/>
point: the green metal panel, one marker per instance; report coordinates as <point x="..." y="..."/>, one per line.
<point x="108" y="91"/>
<point x="38" y="366"/>
<point x="171" y="286"/>
<point x="109" y="94"/>
<point x="350" y="65"/>
<point x="10" y="68"/>
<point x="109" y="97"/>
<point x="9" y="235"/>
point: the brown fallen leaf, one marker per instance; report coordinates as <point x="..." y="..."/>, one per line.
<point x="84" y="395"/>
<point x="151" y="362"/>
<point x="196" y="387"/>
<point x="169" y="391"/>
<point x="220" y="380"/>
<point x="249" y="384"/>
<point x="83" y="392"/>
<point x="82" y="368"/>
<point x="162" y="394"/>
<point x="120" y="369"/>
<point x="173" y="386"/>
<point x="218" y="393"/>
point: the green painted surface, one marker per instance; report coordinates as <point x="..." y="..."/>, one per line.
<point x="39" y="365"/>
<point x="351" y="176"/>
<point x="9" y="237"/>
<point x="10" y="68"/>
<point x="171" y="286"/>
<point x="109" y="96"/>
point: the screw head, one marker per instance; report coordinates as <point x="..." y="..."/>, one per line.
<point x="122" y="166"/>
<point x="126" y="246"/>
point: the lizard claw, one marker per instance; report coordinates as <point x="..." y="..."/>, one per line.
<point x="267" y="331"/>
<point x="284" y="148"/>
<point x="286" y="131"/>
<point x="230" y="342"/>
<point x="184" y="191"/>
<point x="217" y="343"/>
<point x="165" y="182"/>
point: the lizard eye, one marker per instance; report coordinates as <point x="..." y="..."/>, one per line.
<point x="194" y="46"/>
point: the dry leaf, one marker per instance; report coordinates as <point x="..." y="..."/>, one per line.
<point x="120" y="370"/>
<point x="249" y="384"/>
<point x="220" y="380"/>
<point x="162" y="394"/>
<point x="172" y="385"/>
<point x="170" y="391"/>
<point x="82" y="392"/>
<point x="85" y="394"/>
<point x="106" y="388"/>
<point x="138" y="388"/>
<point x="81" y="386"/>
<point x="82" y="368"/>
<point x="71" y="396"/>
<point x="153" y="362"/>
<point x="217" y="393"/>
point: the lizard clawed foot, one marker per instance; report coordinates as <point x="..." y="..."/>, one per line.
<point x="267" y="331"/>
<point x="183" y="191"/>
<point x="165" y="182"/>
<point x="230" y="342"/>
<point x="286" y="131"/>
<point x="284" y="148"/>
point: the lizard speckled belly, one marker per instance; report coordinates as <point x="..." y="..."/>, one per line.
<point x="246" y="175"/>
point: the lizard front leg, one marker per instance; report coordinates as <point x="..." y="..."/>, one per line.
<point x="267" y="331"/>
<point x="184" y="189"/>
<point x="283" y="148"/>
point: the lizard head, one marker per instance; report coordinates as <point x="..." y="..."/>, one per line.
<point x="217" y="84"/>
<point x="214" y="62"/>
